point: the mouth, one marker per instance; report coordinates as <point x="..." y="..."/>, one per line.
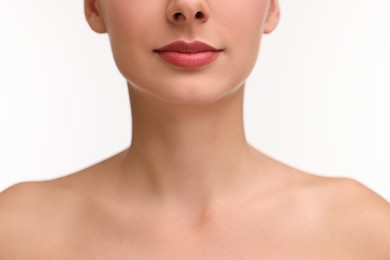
<point x="188" y="55"/>
<point x="184" y="47"/>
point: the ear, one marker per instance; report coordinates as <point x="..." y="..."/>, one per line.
<point x="273" y="16"/>
<point x="94" y="16"/>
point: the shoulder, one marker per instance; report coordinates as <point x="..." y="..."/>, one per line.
<point x="23" y="202"/>
<point x="347" y="196"/>
<point x="17" y="216"/>
<point x="32" y="212"/>
<point x="356" y="216"/>
<point x="20" y="199"/>
<point x="37" y="198"/>
<point x="30" y="196"/>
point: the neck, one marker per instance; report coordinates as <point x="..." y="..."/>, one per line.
<point x="190" y="156"/>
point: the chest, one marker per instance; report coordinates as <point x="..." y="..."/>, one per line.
<point x="234" y="248"/>
<point x="232" y="242"/>
<point x="270" y="234"/>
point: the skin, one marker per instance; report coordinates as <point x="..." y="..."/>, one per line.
<point x="190" y="186"/>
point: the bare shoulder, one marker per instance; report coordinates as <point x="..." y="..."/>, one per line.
<point x="48" y="209"/>
<point x="21" y="199"/>
<point x="349" y="197"/>
<point x="32" y="212"/>
<point x="17" y="217"/>
<point x="355" y="216"/>
<point x="30" y="197"/>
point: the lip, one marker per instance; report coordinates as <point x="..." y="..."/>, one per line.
<point x="188" y="55"/>
<point x="190" y="47"/>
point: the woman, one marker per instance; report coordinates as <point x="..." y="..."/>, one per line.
<point x="190" y="186"/>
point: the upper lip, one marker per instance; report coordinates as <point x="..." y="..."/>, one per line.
<point x="187" y="47"/>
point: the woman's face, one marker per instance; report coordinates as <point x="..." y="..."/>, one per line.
<point x="137" y="27"/>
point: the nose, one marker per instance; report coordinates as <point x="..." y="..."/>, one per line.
<point x="187" y="11"/>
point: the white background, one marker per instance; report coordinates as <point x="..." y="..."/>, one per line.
<point x="318" y="98"/>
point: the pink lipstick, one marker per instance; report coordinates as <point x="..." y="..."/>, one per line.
<point x="188" y="55"/>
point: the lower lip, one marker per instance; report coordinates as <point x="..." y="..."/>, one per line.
<point x="189" y="60"/>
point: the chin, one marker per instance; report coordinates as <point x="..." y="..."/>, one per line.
<point x="194" y="93"/>
<point x="182" y="96"/>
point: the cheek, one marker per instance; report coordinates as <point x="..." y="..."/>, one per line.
<point x="131" y="19"/>
<point x="128" y="21"/>
<point x="244" y="21"/>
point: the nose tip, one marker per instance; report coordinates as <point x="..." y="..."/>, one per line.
<point x="187" y="12"/>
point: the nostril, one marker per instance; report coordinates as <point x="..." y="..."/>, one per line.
<point x="177" y="15"/>
<point x="199" y="15"/>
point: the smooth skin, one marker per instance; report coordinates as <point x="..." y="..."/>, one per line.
<point x="190" y="186"/>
